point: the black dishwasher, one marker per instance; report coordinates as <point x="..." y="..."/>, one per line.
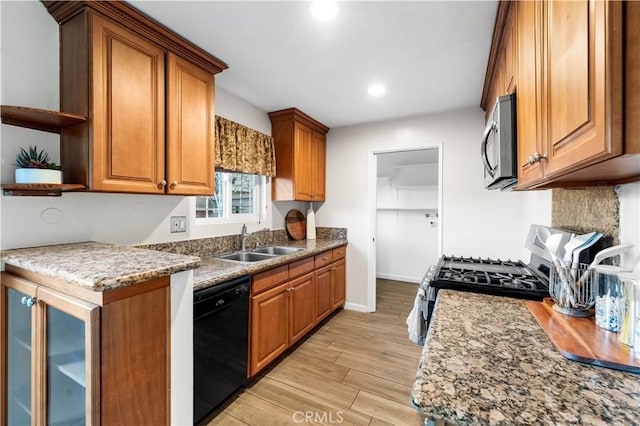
<point x="220" y="338"/>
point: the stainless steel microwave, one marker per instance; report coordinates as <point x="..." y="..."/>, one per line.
<point x="498" y="149"/>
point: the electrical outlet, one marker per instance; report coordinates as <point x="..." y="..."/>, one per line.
<point x="178" y="224"/>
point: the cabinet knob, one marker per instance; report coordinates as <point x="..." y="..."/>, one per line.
<point x="536" y="157"/>
<point x="28" y="301"/>
<point x="162" y="184"/>
<point x="173" y="184"/>
<point x="333" y="269"/>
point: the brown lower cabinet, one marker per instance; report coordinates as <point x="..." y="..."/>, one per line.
<point x="288" y="301"/>
<point x="65" y="360"/>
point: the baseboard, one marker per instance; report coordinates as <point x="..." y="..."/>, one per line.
<point x="399" y="278"/>
<point x="356" y="307"/>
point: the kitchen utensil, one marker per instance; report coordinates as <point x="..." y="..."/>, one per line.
<point x="562" y="292"/>
<point x="569" y="298"/>
<point x="552" y="243"/>
<point x="573" y="244"/>
<point x="295" y="224"/>
<point x="609" y="252"/>
<point x="605" y="254"/>
<point x="575" y="254"/>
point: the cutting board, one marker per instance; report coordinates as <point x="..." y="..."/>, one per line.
<point x="580" y="339"/>
<point x="295" y="224"/>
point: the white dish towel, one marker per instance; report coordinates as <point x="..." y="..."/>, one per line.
<point x="416" y="323"/>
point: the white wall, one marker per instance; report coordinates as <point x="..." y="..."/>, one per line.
<point x="475" y="222"/>
<point x="406" y="239"/>
<point x="29" y="70"/>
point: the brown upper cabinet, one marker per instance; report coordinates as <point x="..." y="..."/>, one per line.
<point x="149" y="98"/>
<point x="300" y="143"/>
<point x="570" y="89"/>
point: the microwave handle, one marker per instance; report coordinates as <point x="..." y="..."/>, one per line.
<point x="483" y="148"/>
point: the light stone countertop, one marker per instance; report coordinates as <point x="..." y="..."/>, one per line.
<point x="98" y="266"/>
<point x="487" y="361"/>
<point x="214" y="271"/>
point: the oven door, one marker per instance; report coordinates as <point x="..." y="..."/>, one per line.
<point x="498" y="148"/>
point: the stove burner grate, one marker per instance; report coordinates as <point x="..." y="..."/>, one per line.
<point x="496" y="276"/>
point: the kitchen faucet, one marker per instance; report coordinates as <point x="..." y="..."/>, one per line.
<point x="243" y="237"/>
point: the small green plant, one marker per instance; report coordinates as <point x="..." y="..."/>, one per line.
<point x="33" y="159"/>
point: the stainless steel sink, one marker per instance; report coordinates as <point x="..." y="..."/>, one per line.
<point x="277" y="250"/>
<point x="245" y="256"/>
<point x="258" y="254"/>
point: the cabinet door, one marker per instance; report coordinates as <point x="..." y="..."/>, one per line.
<point x="16" y="351"/>
<point x="301" y="307"/>
<point x="127" y="112"/>
<point x="53" y="356"/>
<point x="190" y="128"/>
<point x="70" y="361"/>
<point x="528" y="97"/>
<point x="318" y="158"/>
<point x="269" y="326"/>
<point x="509" y="52"/>
<point x="324" y="298"/>
<point x="339" y="270"/>
<point x="303" y="163"/>
<point x="582" y="78"/>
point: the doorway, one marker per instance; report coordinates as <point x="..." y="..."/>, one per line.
<point x="405" y="193"/>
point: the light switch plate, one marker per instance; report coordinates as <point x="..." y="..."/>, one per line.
<point x="178" y="224"/>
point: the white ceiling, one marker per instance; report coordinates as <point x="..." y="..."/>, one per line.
<point x="430" y="55"/>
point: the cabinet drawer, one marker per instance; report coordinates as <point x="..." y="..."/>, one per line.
<point x="267" y="279"/>
<point x="339" y="253"/>
<point x="323" y="259"/>
<point x="301" y="267"/>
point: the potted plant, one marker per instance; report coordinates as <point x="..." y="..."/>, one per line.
<point x="34" y="167"/>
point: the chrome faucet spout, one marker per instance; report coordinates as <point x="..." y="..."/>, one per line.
<point x="243" y="237"/>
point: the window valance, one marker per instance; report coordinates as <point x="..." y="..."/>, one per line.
<point x="244" y="150"/>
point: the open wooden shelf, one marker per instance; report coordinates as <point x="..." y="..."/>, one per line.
<point x="39" y="119"/>
<point x="40" y="189"/>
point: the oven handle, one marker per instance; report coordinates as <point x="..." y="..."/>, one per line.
<point x="483" y="148"/>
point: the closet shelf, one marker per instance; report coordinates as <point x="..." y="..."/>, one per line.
<point x="39" y="119"/>
<point x="421" y="209"/>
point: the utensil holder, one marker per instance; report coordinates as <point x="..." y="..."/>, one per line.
<point x="572" y="289"/>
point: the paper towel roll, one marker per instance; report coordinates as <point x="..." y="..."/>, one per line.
<point x="311" y="223"/>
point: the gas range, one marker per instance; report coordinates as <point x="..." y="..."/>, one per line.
<point x="488" y="276"/>
<point x="494" y="276"/>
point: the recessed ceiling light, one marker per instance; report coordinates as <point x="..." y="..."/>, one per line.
<point x="376" y="89"/>
<point x="324" y="10"/>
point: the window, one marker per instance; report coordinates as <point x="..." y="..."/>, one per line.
<point x="236" y="195"/>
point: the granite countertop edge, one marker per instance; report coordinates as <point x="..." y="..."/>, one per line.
<point x="98" y="266"/>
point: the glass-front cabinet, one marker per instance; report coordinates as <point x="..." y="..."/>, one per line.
<point x="51" y="345"/>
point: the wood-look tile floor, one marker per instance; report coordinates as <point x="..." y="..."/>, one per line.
<point x="354" y="369"/>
